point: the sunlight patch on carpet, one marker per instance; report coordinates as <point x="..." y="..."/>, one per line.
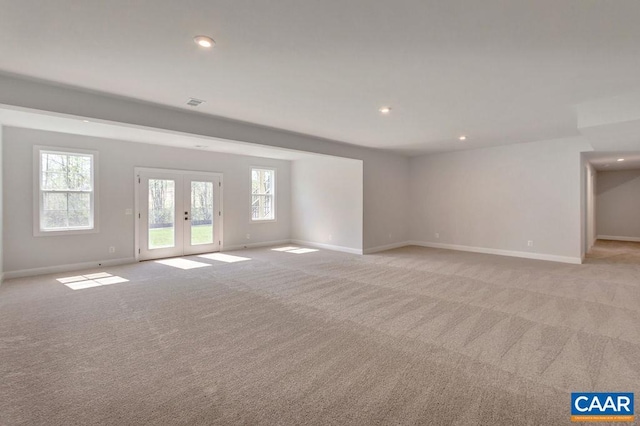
<point x="303" y="251"/>
<point x="221" y="257"/>
<point x="81" y="282"/>
<point x="182" y="263"/>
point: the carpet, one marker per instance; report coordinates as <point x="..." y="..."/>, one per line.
<point x="265" y="337"/>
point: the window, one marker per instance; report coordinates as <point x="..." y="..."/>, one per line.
<point x="65" y="190"/>
<point x="263" y="191"/>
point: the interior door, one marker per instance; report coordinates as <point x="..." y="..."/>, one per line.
<point x="179" y="213"/>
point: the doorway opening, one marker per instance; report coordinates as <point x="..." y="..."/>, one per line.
<point x="612" y="207"/>
<point x="178" y="213"/>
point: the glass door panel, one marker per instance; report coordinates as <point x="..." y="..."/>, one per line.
<point x="202" y="196"/>
<point x="202" y="231"/>
<point x="161" y="229"/>
<point x="162" y="218"/>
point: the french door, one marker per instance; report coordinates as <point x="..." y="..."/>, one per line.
<point x="179" y="213"/>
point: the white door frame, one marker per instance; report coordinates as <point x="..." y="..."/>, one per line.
<point x="136" y="180"/>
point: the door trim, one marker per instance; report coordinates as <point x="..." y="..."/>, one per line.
<point x="136" y="203"/>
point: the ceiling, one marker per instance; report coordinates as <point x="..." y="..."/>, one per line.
<point x="498" y="71"/>
<point x="608" y="161"/>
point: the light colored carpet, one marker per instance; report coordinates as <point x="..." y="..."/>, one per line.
<point x="608" y="252"/>
<point x="409" y="336"/>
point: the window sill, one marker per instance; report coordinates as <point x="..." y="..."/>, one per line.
<point x="263" y="220"/>
<point x="39" y="233"/>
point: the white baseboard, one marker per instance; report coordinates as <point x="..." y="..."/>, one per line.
<point x="386" y="247"/>
<point x="612" y="238"/>
<point x="255" y="245"/>
<point x="67" y="268"/>
<point x="327" y="246"/>
<point x="297" y="242"/>
<point x="113" y="262"/>
<point x="499" y="252"/>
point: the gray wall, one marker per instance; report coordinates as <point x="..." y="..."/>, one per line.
<point x="495" y="198"/>
<point x="117" y="162"/>
<point x="386" y="175"/>
<point x="327" y="203"/>
<point x="499" y="198"/>
<point x="618" y="204"/>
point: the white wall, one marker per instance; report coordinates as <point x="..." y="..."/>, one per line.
<point x="1" y="205"/>
<point x="117" y="162"/>
<point x="618" y="205"/>
<point x="386" y="175"/>
<point x="386" y="200"/>
<point x="591" y="174"/>
<point x="497" y="199"/>
<point x="327" y="202"/>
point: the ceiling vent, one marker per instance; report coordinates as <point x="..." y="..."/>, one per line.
<point x="193" y="102"/>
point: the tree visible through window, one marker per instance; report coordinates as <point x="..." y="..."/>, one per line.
<point x="263" y="194"/>
<point x="162" y="201"/>
<point x="66" y="191"/>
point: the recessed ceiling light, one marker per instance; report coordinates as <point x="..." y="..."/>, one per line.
<point x="385" y="110"/>
<point x="204" y="41"/>
<point x="463" y="138"/>
<point x="85" y="121"/>
<point x="620" y="159"/>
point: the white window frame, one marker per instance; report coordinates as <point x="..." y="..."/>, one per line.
<point x="275" y="179"/>
<point x="37" y="192"/>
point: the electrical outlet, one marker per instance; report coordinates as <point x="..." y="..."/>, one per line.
<point x="112" y="249"/>
<point x="389" y="235"/>
<point x="530" y="243"/>
<point x="437" y="235"/>
<point x="128" y="211"/>
<point x="248" y="236"/>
